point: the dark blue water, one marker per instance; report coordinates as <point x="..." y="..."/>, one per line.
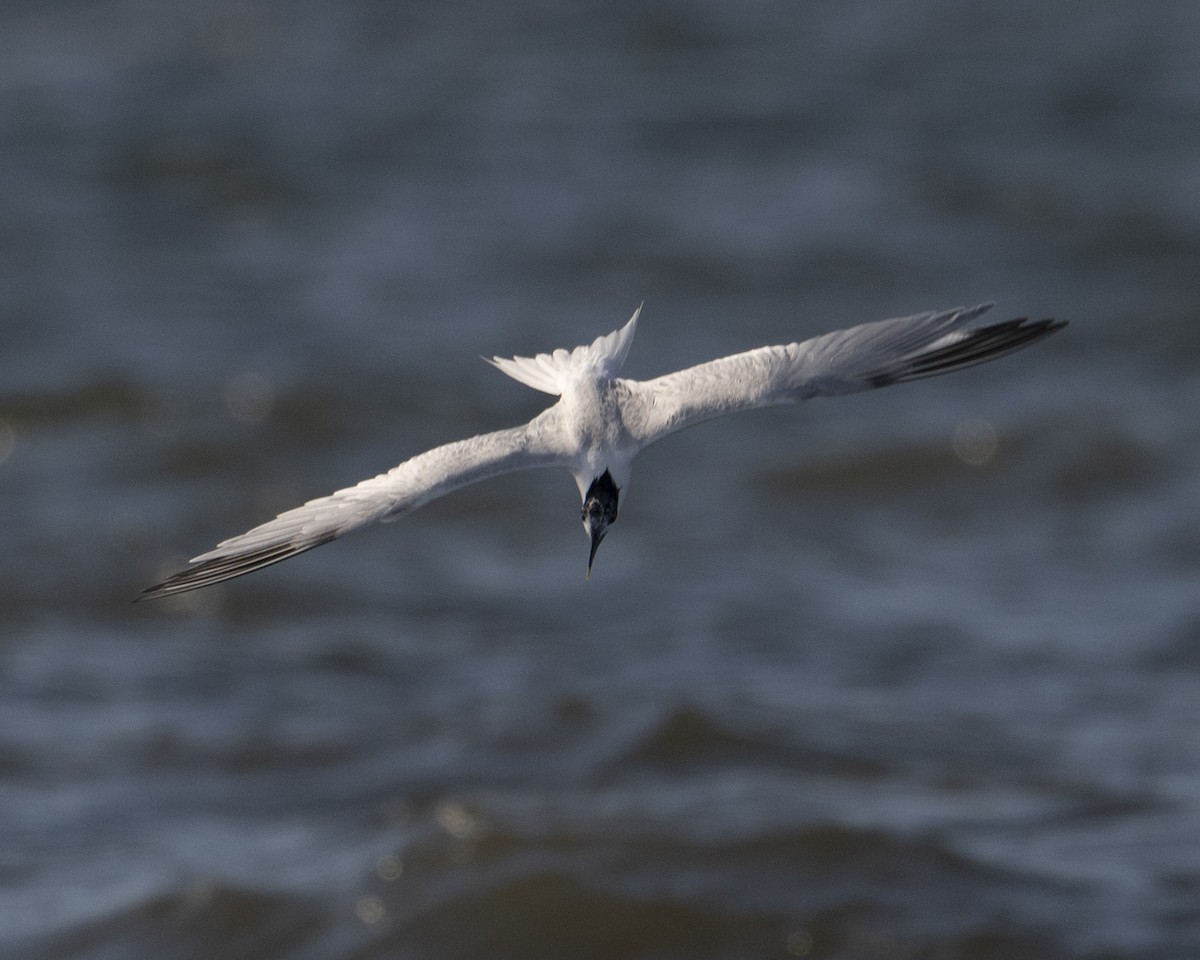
<point x="907" y="674"/>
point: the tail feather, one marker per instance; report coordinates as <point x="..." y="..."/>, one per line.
<point x="552" y="372"/>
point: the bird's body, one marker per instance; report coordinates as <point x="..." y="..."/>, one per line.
<point x="601" y="421"/>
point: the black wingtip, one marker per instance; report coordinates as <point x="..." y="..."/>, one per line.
<point x="980" y="345"/>
<point x="208" y="572"/>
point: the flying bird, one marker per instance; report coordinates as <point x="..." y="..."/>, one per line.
<point x="601" y="421"/>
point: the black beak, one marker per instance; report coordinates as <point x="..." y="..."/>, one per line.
<point x="597" y="535"/>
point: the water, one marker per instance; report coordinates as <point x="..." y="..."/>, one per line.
<point x="907" y="674"/>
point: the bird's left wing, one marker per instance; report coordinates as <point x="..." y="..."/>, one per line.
<point x="386" y="497"/>
<point x="845" y="361"/>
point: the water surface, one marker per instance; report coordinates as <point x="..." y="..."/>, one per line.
<point x="905" y="674"/>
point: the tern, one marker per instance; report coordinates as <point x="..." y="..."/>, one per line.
<point x="602" y="421"/>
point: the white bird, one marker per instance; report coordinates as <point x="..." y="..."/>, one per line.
<point x="602" y="421"/>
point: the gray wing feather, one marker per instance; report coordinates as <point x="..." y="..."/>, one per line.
<point x="385" y="497"/>
<point x="845" y="361"/>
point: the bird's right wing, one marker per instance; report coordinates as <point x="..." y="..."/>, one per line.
<point x="845" y="361"/>
<point x="386" y="497"/>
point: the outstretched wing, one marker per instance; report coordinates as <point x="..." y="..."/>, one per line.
<point x="386" y="497"/>
<point x="845" y="361"/>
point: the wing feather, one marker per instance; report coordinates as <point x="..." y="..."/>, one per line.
<point x="385" y="497"/>
<point x="844" y="361"/>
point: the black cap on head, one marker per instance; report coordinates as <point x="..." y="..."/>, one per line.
<point x="599" y="510"/>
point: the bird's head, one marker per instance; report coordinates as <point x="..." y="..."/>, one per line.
<point x="599" y="511"/>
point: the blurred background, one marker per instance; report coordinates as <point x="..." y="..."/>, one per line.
<point x="909" y="674"/>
